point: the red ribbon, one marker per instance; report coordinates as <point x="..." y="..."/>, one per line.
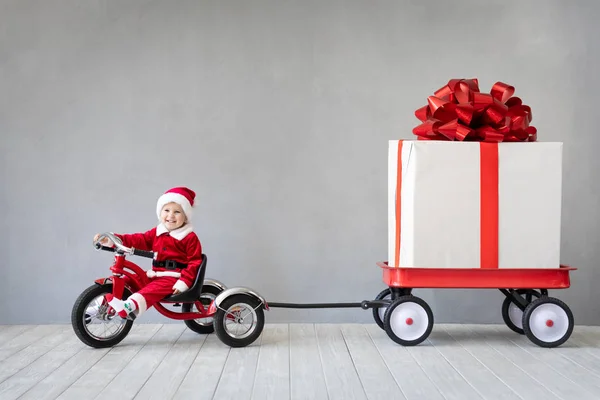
<point x="459" y="111"/>
<point x="489" y="207"/>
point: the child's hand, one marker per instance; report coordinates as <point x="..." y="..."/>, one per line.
<point x="175" y="291"/>
<point x="104" y="242"/>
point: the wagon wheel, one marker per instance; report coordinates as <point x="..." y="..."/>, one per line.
<point x="548" y="322"/>
<point x="389" y="294"/>
<point x="408" y="320"/>
<point x="512" y="315"/>
<point x="379" y="312"/>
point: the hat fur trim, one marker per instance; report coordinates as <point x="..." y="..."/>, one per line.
<point x="174" y="198"/>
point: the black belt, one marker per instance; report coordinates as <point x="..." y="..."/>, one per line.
<point x="169" y="264"/>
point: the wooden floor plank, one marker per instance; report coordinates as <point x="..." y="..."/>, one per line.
<point x="578" y="350"/>
<point x="165" y="380"/>
<point x="298" y="361"/>
<point x="376" y="378"/>
<point x="587" y="341"/>
<point x="579" y="356"/>
<point x="131" y="379"/>
<point x="553" y="358"/>
<point x="64" y="376"/>
<point x="341" y="377"/>
<point x="95" y="379"/>
<point x="551" y="379"/>
<point x="24" y="357"/>
<point x="306" y="371"/>
<point x="239" y="373"/>
<point x="203" y="376"/>
<point x="29" y="376"/>
<point x="410" y="377"/>
<point x="273" y="369"/>
<point x="448" y="381"/>
<point x="515" y="377"/>
<point x="27" y="337"/>
<point x="12" y="331"/>
<point x="483" y="380"/>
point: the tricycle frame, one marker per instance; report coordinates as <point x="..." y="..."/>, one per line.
<point x="130" y="275"/>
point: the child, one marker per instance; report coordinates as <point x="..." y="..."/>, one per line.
<point x="177" y="253"/>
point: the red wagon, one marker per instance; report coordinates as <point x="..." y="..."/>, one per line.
<point x="527" y="308"/>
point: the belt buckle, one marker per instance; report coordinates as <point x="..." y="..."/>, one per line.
<point x="170" y="264"/>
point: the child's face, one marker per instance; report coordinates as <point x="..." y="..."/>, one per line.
<point x="172" y="216"/>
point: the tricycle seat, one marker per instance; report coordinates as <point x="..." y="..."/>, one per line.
<point x="192" y="294"/>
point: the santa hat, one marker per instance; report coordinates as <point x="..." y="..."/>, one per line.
<point x="180" y="195"/>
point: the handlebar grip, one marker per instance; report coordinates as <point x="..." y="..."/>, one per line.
<point x="105" y="248"/>
<point x="143" y="253"/>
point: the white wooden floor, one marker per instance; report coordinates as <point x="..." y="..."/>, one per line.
<point x="298" y="361"/>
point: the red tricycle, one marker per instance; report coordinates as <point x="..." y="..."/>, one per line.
<point x="235" y="314"/>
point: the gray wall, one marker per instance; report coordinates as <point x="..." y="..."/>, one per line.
<point x="278" y="114"/>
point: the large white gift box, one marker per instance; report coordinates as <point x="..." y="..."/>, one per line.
<point x="474" y="204"/>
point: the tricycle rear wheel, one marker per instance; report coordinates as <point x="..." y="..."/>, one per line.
<point x="90" y="307"/>
<point x="203" y="325"/>
<point x="232" y="316"/>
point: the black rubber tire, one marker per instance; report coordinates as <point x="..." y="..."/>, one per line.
<point x="381" y="296"/>
<point x="250" y="301"/>
<point x="531" y="308"/>
<point x="78" y="313"/>
<point x="388" y="314"/>
<point x="506" y="304"/>
<point x="187" y="307"/>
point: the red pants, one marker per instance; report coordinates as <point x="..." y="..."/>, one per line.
<point x="153" y="292"/>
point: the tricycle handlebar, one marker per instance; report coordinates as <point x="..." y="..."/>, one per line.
<point x="105" y="248"/>
<point x="119" y="246"/>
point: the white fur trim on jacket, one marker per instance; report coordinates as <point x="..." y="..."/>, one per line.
<point x="178" y="234"/>
<point x="181" y="286"/>
<point x="141" y="302"/>
<point x="174" y="198"/>
<point x="153" y="274"/>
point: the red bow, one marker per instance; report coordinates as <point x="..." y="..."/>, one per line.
<point x="458" y="111"/>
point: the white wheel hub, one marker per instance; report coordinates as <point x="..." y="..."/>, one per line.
<point x="409" y="321"/>
<point x="549" y="322"/>
<point x="515" y="315"/>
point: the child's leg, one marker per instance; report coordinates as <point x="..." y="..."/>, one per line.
<point x="139" y="302"/>
<point x="152" y="293"/>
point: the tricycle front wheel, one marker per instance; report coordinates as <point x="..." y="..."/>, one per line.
<point x="239" y="320"/>
<point x="95" y="323"/>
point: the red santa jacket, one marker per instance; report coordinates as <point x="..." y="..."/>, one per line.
<point x="181" y="245"/>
